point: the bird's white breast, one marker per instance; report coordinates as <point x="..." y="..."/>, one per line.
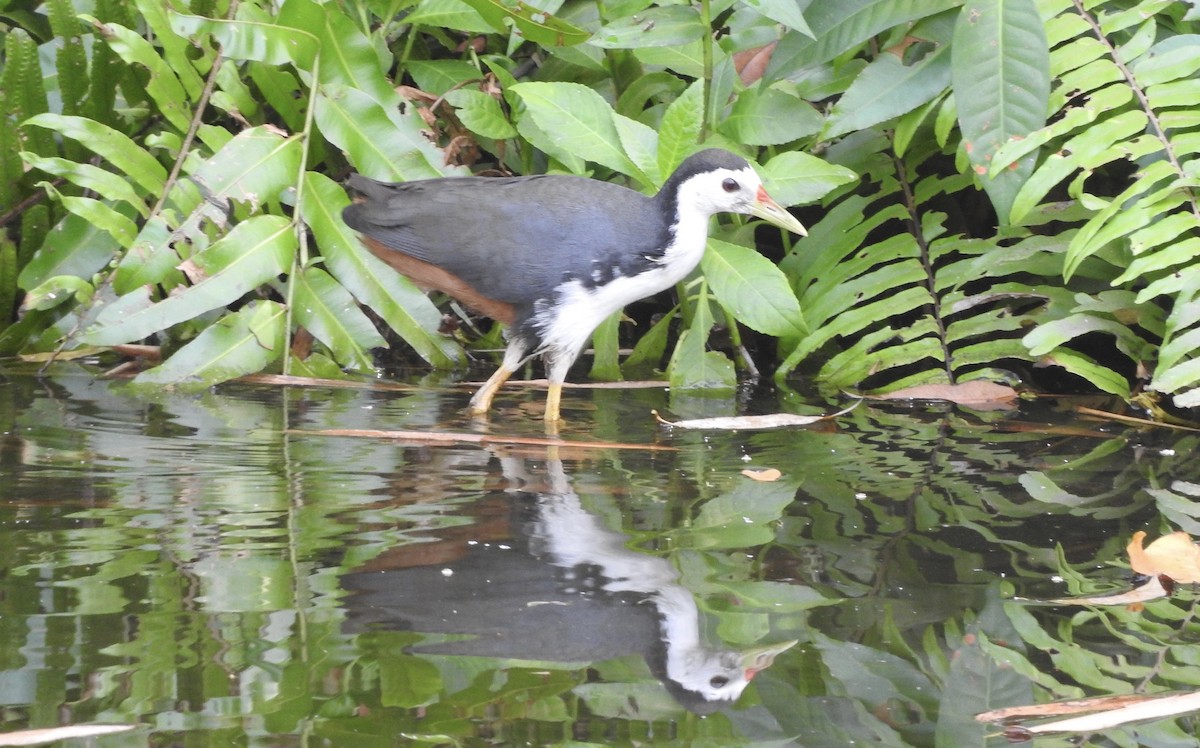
<point x="579" y="310"/>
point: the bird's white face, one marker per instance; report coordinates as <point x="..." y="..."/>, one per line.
<point x="721" y="191"/>
<point x="734" y="191"/>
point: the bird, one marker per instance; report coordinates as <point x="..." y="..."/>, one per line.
<point x="552" y="256"/>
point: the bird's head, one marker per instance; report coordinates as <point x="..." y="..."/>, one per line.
<point x="714" y="679"/>
<point x="716" y="181"/>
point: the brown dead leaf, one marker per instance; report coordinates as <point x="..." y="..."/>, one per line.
<point x="1174" y="556"/>
<point x="192" y="271"/>
<point x="978" y="394"/>
<point x="766" y="475"/>
<point x="750" y="64"/>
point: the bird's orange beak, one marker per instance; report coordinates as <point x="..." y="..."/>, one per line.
<point x="760" y="658"/>
<point x="766" y="208"/>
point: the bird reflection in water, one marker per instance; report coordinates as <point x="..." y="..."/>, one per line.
<point x="564" y="588"/>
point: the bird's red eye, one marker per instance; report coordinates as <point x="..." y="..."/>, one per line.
<point x="730" y="185"/>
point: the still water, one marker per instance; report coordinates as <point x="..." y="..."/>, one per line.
<point x="215" y="571"/>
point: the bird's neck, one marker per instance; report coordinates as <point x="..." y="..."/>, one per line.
<point x="689" y="236"/>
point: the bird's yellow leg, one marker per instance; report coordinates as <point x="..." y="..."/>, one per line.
<point x="481" y="401"/>
<point x="553" y="400"/>
<point x="514" y="356"/>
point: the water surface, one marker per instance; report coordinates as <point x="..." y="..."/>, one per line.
<point x="209" y="568"/>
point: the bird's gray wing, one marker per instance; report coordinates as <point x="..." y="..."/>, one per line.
<point x="515" y="239"/>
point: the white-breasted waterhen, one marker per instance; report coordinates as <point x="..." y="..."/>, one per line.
<point x="552" y="256"/>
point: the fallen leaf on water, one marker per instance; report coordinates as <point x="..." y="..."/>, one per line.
<point x="751" y="423"/>
<point x="1122" y="714"/>
<point x="978" y="394"/>
<point x="1151" y="590"/>
<point x="1174" y="556"/>
<point x="766" y="475"/>
<point x="1059" y="708"/>
<point x="54" y="734"/>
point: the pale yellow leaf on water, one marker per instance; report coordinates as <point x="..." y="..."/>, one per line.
<point x="1143" y="593"/>
<point x="1174" y="556"/>
<point x="766" y="475"/>
<point x="55" y="734"/>
<point x="1156" y="708"/>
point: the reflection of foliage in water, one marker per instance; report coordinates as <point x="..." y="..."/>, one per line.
<point x="179" y="567"/>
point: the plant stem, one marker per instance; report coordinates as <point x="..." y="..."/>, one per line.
<point x="707" y="52"/>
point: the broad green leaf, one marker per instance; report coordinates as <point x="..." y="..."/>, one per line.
<point x="238" y="344"/>
<point x="648" y="351"/>
<point x="329" y="312"/>
<point x="580" y="121"/>
<point x="254" y="252"/>
<point x="178" y="52"/>
<point x="649" y="89"/>
<point x="640" y="143"/>
<point x="1087" y="240"/>
<point x="382" y="144"/>
<point x="888" y="88"/>
<point x="1001" y="64"/>
<point x="440" y="76"/>
<point x="685" y="59"/>
<point x="452" y="14"/>
<point x="1168" y="63"/>
<point x="162" y="84"/>
<point x="151" y="258"/>
<point x="679" y="131"/>
<point x="1177" y="377"/>
<point x="249" y="40"/>
<point x="1086" y="367"/>
<point x="1092" y="147"/>
<point x="535" y="25"/>
<point x="481" y="113"/>
<point x="105" y="183"/>
<point x="58" y="290"/>
<point x="693" y="366"/>
<point x="605" y="366"/>
<point x="768" y="116"/>
<point x="786" y="12"/>
<point x="347" y="56"/>
<point x="753" y="288"/>
<point x="98" y="214"/>
<point x="73" y="247"/>
<point x="794" y="178"/>
<point x="114" y="147"/>
<point x="404" y="308"/>
<point x="659" y="26"/>
<point x="838" y="26"/>
<point x="254" y="167"/>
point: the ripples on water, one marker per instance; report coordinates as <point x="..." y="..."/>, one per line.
<point x="199" y="566"/>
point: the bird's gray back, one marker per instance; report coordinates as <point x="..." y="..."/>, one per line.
<point x="516" y="238"/>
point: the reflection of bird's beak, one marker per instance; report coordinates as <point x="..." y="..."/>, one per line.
<point x="760" y="658"/>
<point x="765" y="207"/>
